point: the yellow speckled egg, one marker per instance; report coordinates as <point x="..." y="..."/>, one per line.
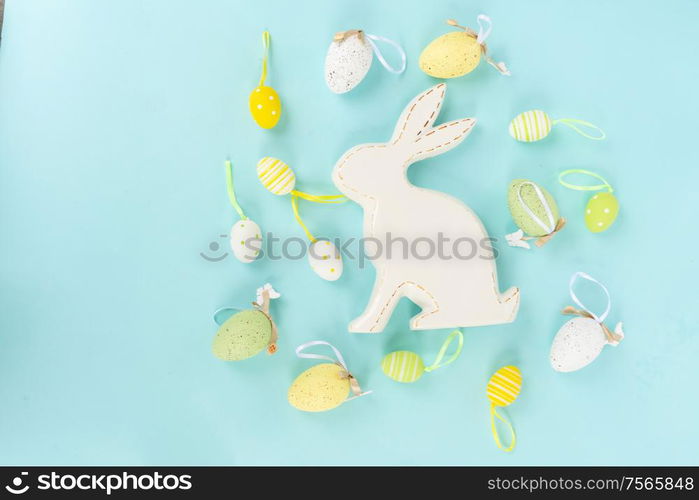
<point x="265" y="106"/>
<point x="320" y="388"/>
<point x="601" y="212"/>
<point x="451" y="55"/>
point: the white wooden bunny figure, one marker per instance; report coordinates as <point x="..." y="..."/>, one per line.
<point x="453" y="289"/>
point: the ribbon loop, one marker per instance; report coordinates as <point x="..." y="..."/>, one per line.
<point x="513" y="437"/>
<point x="442" y="351"/>
<point x="579" y="274"/>
<point x="299" y="220"/>
<point x="578" y="187"/>
<point x="483" y="33"/>
<point x="231" y="190"/>
<point x="372" y="39"/>
<point x="573" y="123"/>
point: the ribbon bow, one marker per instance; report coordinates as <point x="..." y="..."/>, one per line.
<point x="338" y="360"/>
<point x="483" y="33"/>
<point x="517" y="239"/>
<point x="612" y="337"/>
<point x="341" y="36"/>
<point x="264" y="294"/>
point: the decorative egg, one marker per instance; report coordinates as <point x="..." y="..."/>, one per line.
<point x="243" y="335"/>
<point x="601" y="212"/>
<point x="530" y="126"/>
<point x="347" y="62"/>
<point x="275" y="175"/>
<point x="451" y="55"/>
<point x="403" y="366"/>
<point x="577" y="344"/>
<point x="265" y="106"/>
<point x="529" y="196"/>
<point x="325" y="260"/>
<point x="246" y="240"/>
<point x="320" y="388"/>
<point x="504" y="386"/>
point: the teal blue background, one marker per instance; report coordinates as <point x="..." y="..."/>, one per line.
<point x="115" y="118"/>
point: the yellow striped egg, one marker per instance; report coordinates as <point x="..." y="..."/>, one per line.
<point x="504" y="386"/>
<point x="403" y="366"/>
<point x="265" y="106"/>
<point x="275" y="175"/>
<point x="530" y="126"/>
<point x="320" y="388"/>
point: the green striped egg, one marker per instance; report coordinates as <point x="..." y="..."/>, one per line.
<point x="530" y="126"/>
<point x="601" y="212"/>
<point x="403" y="366"/>
<point x="530" y="198"/>
<point x="243" y="335"/>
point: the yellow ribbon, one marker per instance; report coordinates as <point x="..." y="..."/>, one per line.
<point x="264" y="309"/>
<point x="610" y="335"/>
<point x="266" y="40"/>
<point x="295" y="195"/>
<point x="493" y="415"/>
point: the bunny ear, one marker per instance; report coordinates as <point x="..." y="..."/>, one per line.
<point x="440" y="139"/>
<point x="420" y="114"/>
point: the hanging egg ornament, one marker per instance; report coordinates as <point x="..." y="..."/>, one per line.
<point x="535" y="125"/>
<point x="504" y="386"/>
<point x="581" y="339"/>
<point x="458" y="53"/>
<point x="324" y="386"/>
<point x="265" y="105"/>
<point x="276" y="176"/>
<point x="349" y="59"/>
<point x="242" y="336"/>
<point x="245" y="235"/>
<point x="530" y="126"/>
<point x="602" y="208"/>
<point x="325" y="260"/>
<point x="246" y="240"/>
<point x="601" y="212"/>
<point x="530" y="205"/>
<point x="320" y="388"/>
<point x="248" y="332"/>
<point x="403" y="366"/>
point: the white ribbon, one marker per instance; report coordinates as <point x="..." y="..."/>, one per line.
<point x="580" y="274"/>
<point x="375" y="38"/>
<point x="516" y="239"/>
<point x="483" y="33"/>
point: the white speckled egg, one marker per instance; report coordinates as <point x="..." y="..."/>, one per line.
<point x="325" y="260"/>
<point x="246" y="240"/>
<point x="347" y="62"/>
<point x="577" y="344"/>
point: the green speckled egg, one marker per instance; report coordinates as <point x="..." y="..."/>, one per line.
<point x="601" y="212"/>
<point x="320" y="388"/>
<point x="403" y="366"/>
<point x="242" y="335"/>
<point x="530" y="198"/>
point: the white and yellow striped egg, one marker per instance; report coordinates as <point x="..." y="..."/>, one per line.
<point x="403" y="366"/>
<point x="275" y="175"/>
<point x="504" y="386"/>
<point x="530" y="126"/>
